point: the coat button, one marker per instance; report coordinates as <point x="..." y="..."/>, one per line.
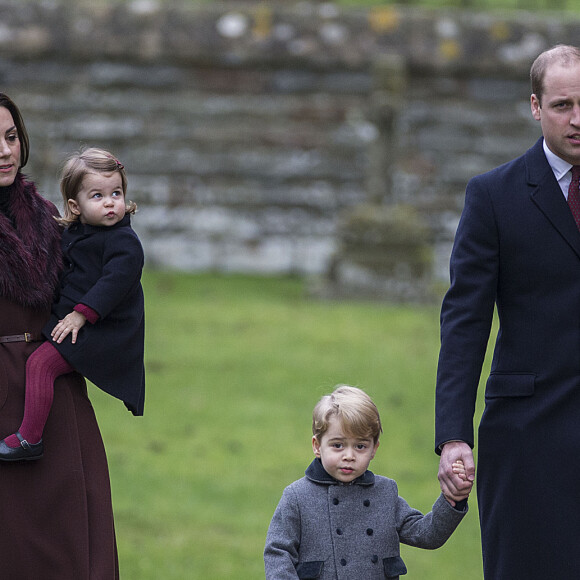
<point x="375" y="559"/>
<point x="335" y="501"/>
<point x="370" y="532"/>
<point x="367" y="502"/>
<point x="343" y="562"/>
<point x="339" y="531"/>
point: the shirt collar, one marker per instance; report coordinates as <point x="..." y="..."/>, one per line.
<point x="558" y="165"/>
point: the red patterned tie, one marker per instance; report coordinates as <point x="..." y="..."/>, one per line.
<point x="574" y="194"/>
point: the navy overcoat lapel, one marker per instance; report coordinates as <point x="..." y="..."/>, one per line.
<point x="547" y="195"/>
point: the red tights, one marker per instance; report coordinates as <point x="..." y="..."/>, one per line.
<point x="43" y="366"/>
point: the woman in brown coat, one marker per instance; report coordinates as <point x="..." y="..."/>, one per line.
<point x="56" y="519"/>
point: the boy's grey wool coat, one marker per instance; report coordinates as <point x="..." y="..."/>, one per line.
<point x="325" y="530"/>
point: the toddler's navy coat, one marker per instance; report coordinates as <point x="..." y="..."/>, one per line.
<point x="102" y="270"/>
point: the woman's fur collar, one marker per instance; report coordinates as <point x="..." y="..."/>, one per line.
<point x="30" y="255"/>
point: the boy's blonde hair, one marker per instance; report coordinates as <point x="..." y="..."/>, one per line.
<point x="355" y="410"/>
<point x="75" y="168"/>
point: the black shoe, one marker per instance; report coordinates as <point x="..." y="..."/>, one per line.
<point x="26" y="451"/>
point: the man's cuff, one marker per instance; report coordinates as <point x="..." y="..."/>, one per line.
<point x="450" y="441"/>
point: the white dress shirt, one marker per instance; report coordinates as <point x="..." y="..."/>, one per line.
<point x="562" y="170"/>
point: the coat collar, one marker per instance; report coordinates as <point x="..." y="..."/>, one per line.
<point x="85" y="229"/>
<point x="316" y="473"/>
<point x="547" y="195"/>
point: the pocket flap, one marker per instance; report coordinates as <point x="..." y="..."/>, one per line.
<point x="510" y="385"/>
<point x="309" y="570"/>
<point x="394" y="566"/>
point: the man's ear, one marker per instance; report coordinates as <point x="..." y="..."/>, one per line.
<point x="536" y="107"/>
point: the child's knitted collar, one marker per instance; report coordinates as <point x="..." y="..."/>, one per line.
<point x="315" y="472"/>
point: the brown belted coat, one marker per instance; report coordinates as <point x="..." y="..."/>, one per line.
<point x="55" y="513"/>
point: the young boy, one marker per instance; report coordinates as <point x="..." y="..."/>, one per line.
<point x="341" y="520"/>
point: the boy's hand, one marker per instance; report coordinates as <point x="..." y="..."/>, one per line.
<point x="71" y="323"/>
<point x="459" y="468"/>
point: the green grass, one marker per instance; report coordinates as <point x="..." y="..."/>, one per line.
<point x="235" y="365"/>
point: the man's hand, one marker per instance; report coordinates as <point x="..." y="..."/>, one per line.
<point x="72" y="322"/>
<point x="454" y="486"/>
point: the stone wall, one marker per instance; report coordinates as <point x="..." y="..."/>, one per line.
<point x="253" y="132"/>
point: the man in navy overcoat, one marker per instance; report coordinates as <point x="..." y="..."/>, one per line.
<point x="518" y="247"/>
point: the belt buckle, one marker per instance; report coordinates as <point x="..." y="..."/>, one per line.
<point x="27" y="337"/>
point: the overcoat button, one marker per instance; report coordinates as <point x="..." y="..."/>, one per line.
<point x="366" y="502"/>
<point x="335" y="501"/>
<point x="369" y="532"/>
<point x="375" y="559"/>
<point x="343" y="562"/>
<point x="339" y="531"/>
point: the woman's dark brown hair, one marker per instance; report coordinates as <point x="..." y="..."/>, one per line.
<point x="8" y="103"/>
